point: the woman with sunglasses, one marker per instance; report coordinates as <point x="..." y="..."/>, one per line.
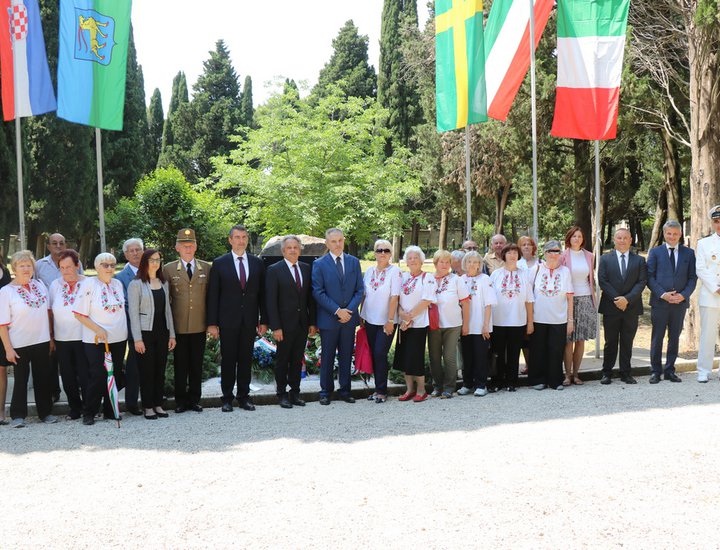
<point x="101" y="311"/>
<point x="553" y="319"/>
<point x="379" y="313"/>
<point x="152" y="329"/>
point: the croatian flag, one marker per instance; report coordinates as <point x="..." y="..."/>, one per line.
<point x="21" y="35"/>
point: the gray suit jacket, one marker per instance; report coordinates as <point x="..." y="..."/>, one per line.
<point x="141" y="308"/>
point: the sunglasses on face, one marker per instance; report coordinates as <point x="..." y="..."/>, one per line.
<point x="471" y="248"/>
<point x="383" y="251"/>
<point x="552" y="252"/>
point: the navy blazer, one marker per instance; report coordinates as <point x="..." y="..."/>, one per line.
<point x="228" y="305"/>
<point x="288" y="308"/>
<point x="613" y="284"/>
<point x="331" y="294"/>
<point x="661" y="278"/>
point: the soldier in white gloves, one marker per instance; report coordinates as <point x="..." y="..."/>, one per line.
<point x="708" y="271"/>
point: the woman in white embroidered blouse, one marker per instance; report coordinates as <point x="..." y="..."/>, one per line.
<point x="379" y="313"/>
<point x="454" y="315"/>
<point x="417" y="292"/>
<point x="101" y="310"/>
<point x="68" y="330"/>
<point x="25" y="334"/>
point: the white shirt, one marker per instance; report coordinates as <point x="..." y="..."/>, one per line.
<point x="62" y="302"/>
<point x="512" y="290"/>
<point x="245" y="262"/>
<point x="105" y="305"/>
<point x="450" y="290"/>
<point x="342" y="260"/>
<point x="292" y="270"/>
<point x="522" y="263"/>
<point x="46" y="270"/>
<point x="552" y="287"/>
<point x="25" y="313"/>
<point x="619" y="259"/>
<point x="580" y="273"/>
<point x="414" y="290"/>
<point x="379" y="288"/>
<point x="481" y="295"/>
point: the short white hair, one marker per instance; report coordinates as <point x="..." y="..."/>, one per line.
<point x="133" y="240"/>
<point x="104" y="257"/>
<point x="333" y="230"/>
<point x="457" y="254"/>
<point x="287" y="238"/>
<point x="384" y="242"/>
<point x="469" y="256"/>
<point x="412" y="249"/>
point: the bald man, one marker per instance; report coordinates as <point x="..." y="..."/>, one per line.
<point x="47" y="268"/>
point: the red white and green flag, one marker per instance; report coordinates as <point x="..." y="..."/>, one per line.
<point x="591" y="43"/>
<point x="459" y="64"/>
<point x="507" y="49"/>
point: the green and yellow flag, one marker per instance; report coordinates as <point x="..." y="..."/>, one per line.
<point x="460" y="93"/>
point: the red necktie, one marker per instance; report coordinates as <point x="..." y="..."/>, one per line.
<point x="243" y="277"/>
<point x="297" y="277"/>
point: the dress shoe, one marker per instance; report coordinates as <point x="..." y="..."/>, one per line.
<point x="605" y="380"/>
<point x="180" y="409"/>
<point x="295" y="400"/>
<point x="628" y="379"/>
<point x="654" y="378"/>
<point x="285" y="402"/>
<point x="151" y="417"/>
<point x="672" y="377"/>
<point x="162" y="414"/>
<point x="246" y="404"/>
<point x="324" y="400"/>
<point x="227" y="408"/>
<point x="134" y="411"/>
<point x="348" y="399"/>
<point x="196" y="408"/>
<point x="88" y="420"/>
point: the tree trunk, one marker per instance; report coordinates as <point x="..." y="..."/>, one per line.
<point x="656" y="237"/>
<point x="704" y="62"/>
<point x="85" y="249"/>
<point x="396" y="248"/>
<point x="415" y="234"/>
<point x="583" y="186"/>
<point x="500" y="204"/>
<point x="442" y="237"/>
<point x="669" y="205"/>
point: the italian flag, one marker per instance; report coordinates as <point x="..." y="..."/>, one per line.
<point x="591" y="43"/>
<point x="507" y="49"/>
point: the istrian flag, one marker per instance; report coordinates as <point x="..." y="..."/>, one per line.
<point x="92" y="61"/>
<point x="591" y="43"/>
<point x="459" y="64"/>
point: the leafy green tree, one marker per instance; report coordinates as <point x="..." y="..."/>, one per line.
<point x="156" y="121"/>
<point x="178" y="95"/>
<point x="303" y="171"/>
<point x="247" y="109"/>
<point x="163" y="203"/>
<point x="349" y="64"/>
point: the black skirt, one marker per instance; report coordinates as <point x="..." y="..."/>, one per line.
<point x="410" y="351"/>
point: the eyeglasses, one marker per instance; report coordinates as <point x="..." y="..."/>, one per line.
<point x="155" y="260"/>
<point x="383" y="251"/>
<point x="107" y="266"/>
<point x="471" y="248"/>
<point x="552" y="251"/>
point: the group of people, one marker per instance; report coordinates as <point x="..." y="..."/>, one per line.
<point x="481" y="311"/>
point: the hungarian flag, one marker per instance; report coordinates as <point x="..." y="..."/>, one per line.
<point x="591" y="43"/>
<point x="21" y="35"/>
<point x="507" y="49"/>
<point x="459" y="64"/>
<point x="92" y="61"/>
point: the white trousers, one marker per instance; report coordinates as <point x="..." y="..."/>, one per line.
<point x="709" y="319"/>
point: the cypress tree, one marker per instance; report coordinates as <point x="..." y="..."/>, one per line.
<point x="246" y="103"/>
<point x="349" y="63"/>
<point x="178" y="95"/>
<point x="156" y="120"/>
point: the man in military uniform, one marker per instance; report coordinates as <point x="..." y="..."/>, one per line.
<point x="708" y="271"/>
<point x="188" y="278"/>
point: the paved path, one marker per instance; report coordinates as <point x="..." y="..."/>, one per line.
<point x="590" y="467"/>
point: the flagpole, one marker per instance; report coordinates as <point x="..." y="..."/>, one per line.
<point x="598" y="244"/>
<point x="18" y="154"/>
<point x="534" y="120"/>
<point x="101" y="202"/>
<point x="468" y="215"/>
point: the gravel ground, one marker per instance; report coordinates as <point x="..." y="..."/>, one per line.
<point x="590" y="467"/>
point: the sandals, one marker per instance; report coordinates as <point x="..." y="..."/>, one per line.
<point x="407" y="396"/>
<point x="568" y="380"/>
<point x="380" y="398"/>
<point x="577" y="381"/>
<point x="371" y="397"/>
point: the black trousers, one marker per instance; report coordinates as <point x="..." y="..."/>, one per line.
<point x="619" y="331"/>
<point x="289" y="359"/>
<point x="379" y="344"/>
<point x="97" y="376"/>
<point x="475" y="360"/>
<point x="74" y="372"/>
<point x="37" y="358"/>
<point x="506" y="344"/>
<point x="189" y="353"/>
<point x="152" y="366"/>
<point x="668" y="320"/>
<point x="236" y="348"/>
<point x="547" y="348"/>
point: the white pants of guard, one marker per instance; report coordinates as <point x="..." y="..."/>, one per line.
<point x="709" y="319"/>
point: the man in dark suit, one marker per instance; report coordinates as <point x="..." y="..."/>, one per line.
<point x="622" y="276"/>
<point x="672" y="279"/>
<point x="236" y="314"/>
<point x="291" y="313"/>
<point x="338" y="287"/>
<point x="132" y="250"/>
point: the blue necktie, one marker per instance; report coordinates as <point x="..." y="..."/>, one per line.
<point x="339" y="267"/>
<point x="623" y="266"/>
